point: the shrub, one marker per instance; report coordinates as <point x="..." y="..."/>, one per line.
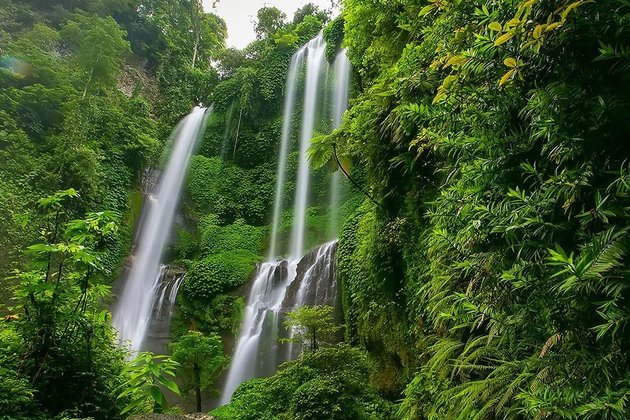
<point x="219" y="273"/>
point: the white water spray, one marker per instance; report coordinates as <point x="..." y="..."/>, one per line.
<point x="289" y="111"/>
<point x="316" y="50"/>
<point x="133" y="310"/>
<point x="341" y="89"/>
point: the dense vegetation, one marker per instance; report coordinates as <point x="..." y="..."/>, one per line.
<point x="484" y="276"/>
<point x="87" y="92"/>
<point x="491" y="279"/>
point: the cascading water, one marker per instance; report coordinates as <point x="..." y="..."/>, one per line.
<point x="227" y="130"/>
<point x="263" y="310"/>
<point x="280" y="286"/>
<point x="340" y="104"/>
<point x="314" y="64"/>
<point x="133" y="310"/>
<point x="164" y="296"/>
<point x="289" y="111"/>
<point x="317" y="285"/>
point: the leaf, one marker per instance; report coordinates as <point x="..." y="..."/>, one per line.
<point x="538" y="31"/>
<point x="169" y="384"/>
<point x="506" y="77"/>
<point x="426" y="10"/>
<point x="570" y="8"/>
<point x="495" y="26"/>
<point x="157" y="395"/>
<point x="504" y="38"/>
<point x="440" y="95"/>
<point x="513" y="22"/>
<point x="553" y="26"/>
<point x="510" y="62"/>
<point x="456" y="60"/>
<point x="345" y="163"/>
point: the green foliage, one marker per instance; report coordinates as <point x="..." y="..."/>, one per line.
<point x="329" y="383"/>
<point x="237" y="236"/>
<point x="144" y="377"/>
<point x="492" y="271"/>
<point x="230" y="192"/>
<point x="59" y="328"/>
<point x="219" y="273"/>
<point x="99" y="46"/>
<point x="312" y="326"/>
<point x="269" y="20"/>
<point x="201" y="357"/>
<point x="334" y="34"/>
<point x="220" y="314"/>
<point x="16" y="395"/>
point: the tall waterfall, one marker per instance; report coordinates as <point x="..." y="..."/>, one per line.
<point x="282" y="285"/>
<point x="340" y="104"/>
<point x="314" y="64"/>
<point x="289" y="111"/>
<point x="133" y="310"/>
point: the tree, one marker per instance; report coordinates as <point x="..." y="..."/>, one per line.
<point x="100" y="48"/>
<point x="67" y="354"/>
<point x="270" y="19"/>
<point x="310" y="9"/>
<point x="203" y="356"/>
<point x="311" y="325"/>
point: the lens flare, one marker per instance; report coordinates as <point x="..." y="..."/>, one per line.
<point x="15" y="65"/>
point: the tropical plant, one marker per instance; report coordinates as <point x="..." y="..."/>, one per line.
<point x="144" y="376"/>
<point x="203" y="356"/>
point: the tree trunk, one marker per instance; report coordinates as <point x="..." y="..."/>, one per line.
<point x="195" y="48"/>
<point x="87" y="85"/>
<point x="197" y="372"/>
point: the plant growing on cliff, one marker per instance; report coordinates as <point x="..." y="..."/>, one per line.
<point x="311" y="326"/>
<point x="202" y="356"/>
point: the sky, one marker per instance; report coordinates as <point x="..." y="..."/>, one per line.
<point x="240" y="15"/>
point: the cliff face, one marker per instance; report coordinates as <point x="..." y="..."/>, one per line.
<point x="316" y="281"/>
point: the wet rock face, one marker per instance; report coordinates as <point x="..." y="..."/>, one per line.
<point x="316" y="280"/>
<point x="279" y="274"/>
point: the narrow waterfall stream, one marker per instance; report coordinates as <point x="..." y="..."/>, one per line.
<point x="289" y="112"/>
<point x="281" y="285"/>
<point x="132" y="313"/>
<point x="315" y="61"/>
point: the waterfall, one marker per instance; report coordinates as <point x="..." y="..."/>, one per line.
<point x="264" y="305"/>
<point x="316" y="57"/>
<point x="341" y="87"/>
<point x="289" y="111"/>
<point x="280" y="286"/>
<point x="132" y="313"/>
<point x="341" y="93"/>
<point x="317" y="286"/>
<point x="226" y="132"/>
<point x="164" y="296"/>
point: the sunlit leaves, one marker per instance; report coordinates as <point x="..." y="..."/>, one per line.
<point x="143" y="376"/>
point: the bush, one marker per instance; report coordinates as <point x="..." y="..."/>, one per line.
<point x="332" y="383"/>
<point x="236" y="236"/>
<point x="219" y="273"/>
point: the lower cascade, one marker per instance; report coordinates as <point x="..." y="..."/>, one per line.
<point x="279" y="287"/>
<point x="164" y="295"/>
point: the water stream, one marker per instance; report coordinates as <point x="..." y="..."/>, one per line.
<point x="132" y="313"/>
<point x="281" y="285"/>
<point x="315" y="60"/>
